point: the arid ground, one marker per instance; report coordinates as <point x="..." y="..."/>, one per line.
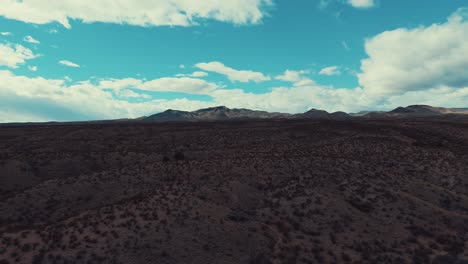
<point x="296" y="191"/>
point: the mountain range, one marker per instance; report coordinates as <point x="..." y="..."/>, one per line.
<point x="224" y="113"/>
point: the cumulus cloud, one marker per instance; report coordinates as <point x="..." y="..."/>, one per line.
<point x="127" y="93"/>
<point x="40" y="99"/>
<point x="403" y="67"/>
<point x="184" y="85"/>
<point x="345" y="45"/>
<point x="294" y="99"/>
<point x="165" y="84"/>
<point x="119" y="84"/>
<point x="12" y="115"/>
<point x="138" y="13"/>
<point x="361" y="3"/>
<point x="69" y="64"/>
<point x="329" y="71"/>
<point x="295" y="77"/>
<point x="6" y="33"/>
<point x="14" y="55"/>
<point x="48" y="99"/>
<point x="422" y="58"/>
<point x="291" y="76"/>
<point x="197" y="74"/>
<point x="32" y="40"/>
<point x="233" y="74"/>
<point x="32" y="68"/>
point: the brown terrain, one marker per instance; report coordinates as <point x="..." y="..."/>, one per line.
<point x="360" y="190"/>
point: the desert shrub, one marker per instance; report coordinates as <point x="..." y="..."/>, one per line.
<point x="6" y="241"/>
<point x="421" y="256"/>
<point x="179" y="156"/>
<point x="206" y="247"/>
<point x="456" y="247"/>
<point x="419" y="231"/>
<point x="333" y="238"/>
<point x="444" y="259"/>
<point x="283" y="228"/>
<point x="26" y="248"/>
<point x="260" y="259"/>
<point x="114" y="234"/>
<point x="345" y="257"/>
<point x="295" y="225"/>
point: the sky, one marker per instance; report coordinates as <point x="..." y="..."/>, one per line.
<point x="65" y="60"/>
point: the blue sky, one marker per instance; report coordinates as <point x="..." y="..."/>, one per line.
<point x="62" y="60"/>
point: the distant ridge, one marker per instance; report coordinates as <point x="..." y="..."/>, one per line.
<point x="214" y="113"/>
<point x="419" y="111"/>
<point x="224" y="113"/>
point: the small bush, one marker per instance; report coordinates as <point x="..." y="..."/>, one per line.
<point x="179" y="156"/>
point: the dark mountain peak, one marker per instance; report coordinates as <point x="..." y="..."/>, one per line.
<point x="339" y="115"/>
<point x="214" y="113"/>
<point x="172" y="111"/>
<point x="315" y="113"/>
<point x="170" y="115"/>
<point x="213" y="109"/>
<point x="313" y="110"/>
<point x="402" y="110"/>
<point x="418" y="109"/>
<point x="419" y="106"/>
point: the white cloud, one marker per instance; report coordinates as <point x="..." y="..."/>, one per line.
<point x="138" y="13"/>
<point x="6" y="33"/>
<point x="291" y="76"/>
<point x="289" y="99"/>
<point x="12" y="115"/>
<point x="332" y="70"/>
<point x="361" y="3"/>
<point x="182" y="66"/>
<point x="233" y="74"/>
<point x="197" y="74"/>
<point x="296" y="77"/>
<point x="69" y="64"/>
<point x="39" y="99"/>
<point x="324" y="4"/>
<point x="30" y="39"/>
<point x="441" y="96"/>
<point x="45" y="99"/>
<point x="32" y="68"/>
<point x="422" y="58"/>
<point x="183" y="85"/>
<point x="345" y="45"/>
<point x="127" y="93"/>
<point x="14" y="55"/>
<point x="404" y="66"/>
<point x="119" y="84"/>
<point x="165" y="84"/>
